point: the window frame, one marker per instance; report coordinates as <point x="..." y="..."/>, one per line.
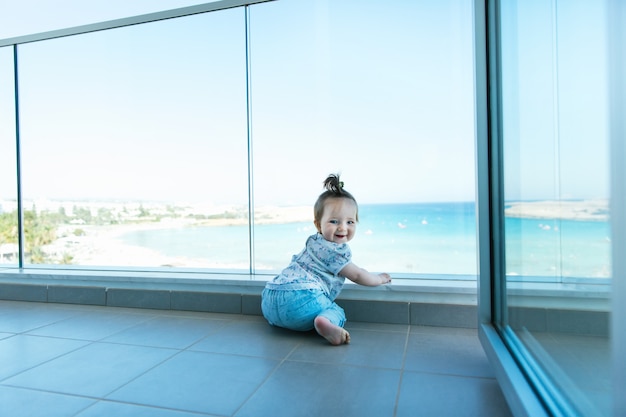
<point x="526" y="389"/>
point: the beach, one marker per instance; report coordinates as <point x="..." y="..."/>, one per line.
<point x="584" y="210"/>
<point x="104" y="245"/>
<point x="411" y="238"/>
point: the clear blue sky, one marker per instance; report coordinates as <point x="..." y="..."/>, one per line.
<point x="557" y="136"/>
<point x="382" y="94"/>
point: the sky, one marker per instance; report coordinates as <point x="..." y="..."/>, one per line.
<point x="383" y="95"/>
<point x="556" y="94"/>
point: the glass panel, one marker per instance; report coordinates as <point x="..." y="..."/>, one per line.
<point x="8" y="170"/>
<point x="557" y="231"/>
<point x="134" y="145"/>
<point x="384" y="96"/>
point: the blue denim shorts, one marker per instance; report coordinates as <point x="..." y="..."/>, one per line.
<point x="297" y="309"/>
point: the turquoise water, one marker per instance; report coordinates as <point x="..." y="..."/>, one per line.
<point x="433" y="238"/>
<point x="539" y="247"/>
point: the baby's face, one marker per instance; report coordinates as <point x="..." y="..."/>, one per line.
<point x="338" y="223"/>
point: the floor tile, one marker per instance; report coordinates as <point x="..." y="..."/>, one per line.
<point x="309" y="389"/>
<point x="580" y="366"/>
<point x="18" y="320"/>
<point x="447" y="353"/>
<point x="90" y="326"/>
<point x="88" y="361"/>
<point x="251" y="338"/>
<point x="94" y="370"/>
<point x="444" y="395"/>
<point x="22" y="352"/>
<point x="199" y="382"/>
<point x="17" y="402"/>
<point x="448" y="331"/>
<point x="367" y="348"/>
<point x="381" y="327"/>
<point x="113" y="409"/>
<point x="171" y="332"/>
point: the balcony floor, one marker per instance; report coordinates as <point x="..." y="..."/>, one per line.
<point x="76" y="360"/>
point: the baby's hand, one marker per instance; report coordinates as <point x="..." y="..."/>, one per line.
<point x="385" y="278"/>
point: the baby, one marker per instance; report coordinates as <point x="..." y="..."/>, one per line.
<point x="303" y="296"/>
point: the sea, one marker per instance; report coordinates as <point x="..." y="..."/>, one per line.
<point x="407" y="240"/>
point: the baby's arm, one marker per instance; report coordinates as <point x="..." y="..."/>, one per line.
<point x="363" y="277"/>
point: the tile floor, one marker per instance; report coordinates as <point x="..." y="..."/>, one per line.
<point x="580" y="366"/>
<point x="60" y="360"/>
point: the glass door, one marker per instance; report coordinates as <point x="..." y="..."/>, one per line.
<point x="555" y="298"/>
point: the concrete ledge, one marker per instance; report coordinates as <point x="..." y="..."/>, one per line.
<point x="443" y="303"/>
<point x="24" y="292"/>
<point x="207" y="302"/>
<point x="233" y="297"/>
<point x="392" y="312"/>
<point x="444" y="315"/>
<point x="76" y="295"/>
<point x="251" y="305"/>
<point x="155" y="299"/>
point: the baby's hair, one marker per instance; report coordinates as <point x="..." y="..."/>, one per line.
<point x="334" y="189"/>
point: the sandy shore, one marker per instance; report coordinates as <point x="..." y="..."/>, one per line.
<point x="104" y="246"/>
<point x="589" y="210"/>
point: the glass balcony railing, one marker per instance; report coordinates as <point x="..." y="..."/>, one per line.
<point x="200" y="142"/>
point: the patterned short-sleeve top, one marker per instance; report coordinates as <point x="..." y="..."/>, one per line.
<point x="317" y="266"/>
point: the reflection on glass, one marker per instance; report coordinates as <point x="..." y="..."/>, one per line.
<point x="384" y="96"/>
<point x="134" y="145"/>
<point x="556" y="194"/>
<point x="8" y="182"/>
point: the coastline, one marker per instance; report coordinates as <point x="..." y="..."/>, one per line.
<point x="584" y="210"/>
<point x="103" y="245"/>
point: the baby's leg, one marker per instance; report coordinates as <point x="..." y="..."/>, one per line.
<point x="334" y="334"/>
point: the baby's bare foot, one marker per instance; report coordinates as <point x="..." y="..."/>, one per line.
<point x="334" y="334"/>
